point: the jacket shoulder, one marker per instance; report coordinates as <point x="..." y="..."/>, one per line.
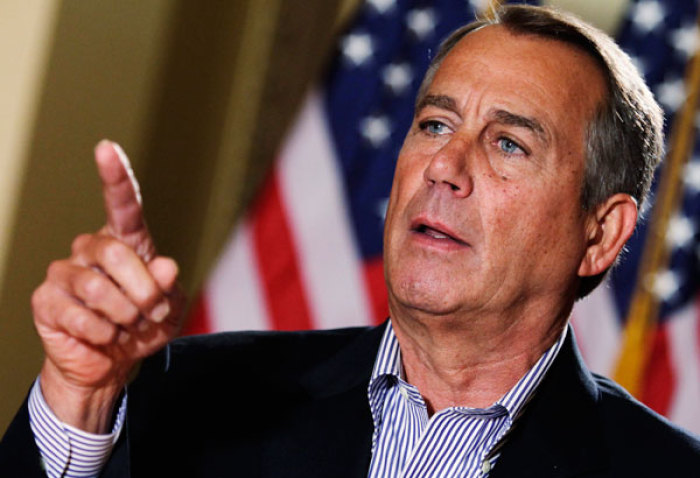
<point x="214" y="360"/>
<point x="635" y="429"/>
<point x="270" y="350"/>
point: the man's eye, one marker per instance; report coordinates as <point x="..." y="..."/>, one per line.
<point x="509" y="146"/>
<point x="433" y="127"/>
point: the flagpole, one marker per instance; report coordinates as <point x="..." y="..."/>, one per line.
<point x="642" y="316"/>
<point x="492" y="7"/>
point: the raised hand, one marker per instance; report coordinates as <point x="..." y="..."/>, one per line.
<point x="107" y="306"/>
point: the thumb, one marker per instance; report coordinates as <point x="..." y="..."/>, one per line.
<point x="122" y="199"/>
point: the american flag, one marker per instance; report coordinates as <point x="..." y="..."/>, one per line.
<point x="308" y="252"/>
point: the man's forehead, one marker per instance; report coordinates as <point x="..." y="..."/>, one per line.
<point x="495" y="39"/>
<point x="522" y="65"/>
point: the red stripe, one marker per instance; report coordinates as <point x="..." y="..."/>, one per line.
<point x="278" y="265"/>
<point x="199" y="319"/>
<point x="376" y="289"/>
<point x="659" y="380"/>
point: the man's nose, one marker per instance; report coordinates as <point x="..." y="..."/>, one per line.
<point x="450" y="167"/>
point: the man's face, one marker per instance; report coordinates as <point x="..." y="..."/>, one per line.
<point x="485" y="212"/>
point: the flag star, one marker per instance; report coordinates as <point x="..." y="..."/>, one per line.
<point x="647" y="15"/>
<point x="375" y="129"/>
<point x="358" y="48"/>
<point x="382" y="6"/>
<point x="421" y="22"/>
<point x="671" y="93"/>
<point x="664" y="285"/>
<point x="381" y="208"/>
<point x="686" y="40"/>
<point x="397" y="76"/>
<point x="692" y="176"/>
<point x="681" y="231"/>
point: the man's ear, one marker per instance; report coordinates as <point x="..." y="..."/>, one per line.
<point x="607" y="229"/>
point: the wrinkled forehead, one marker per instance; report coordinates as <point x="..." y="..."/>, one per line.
<point x="584" y="51"/>
<point x="561" y="80"/>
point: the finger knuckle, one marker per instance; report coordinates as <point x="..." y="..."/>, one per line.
<point x="165" y="271"/>
<point x="112" y="253"/>
<point x="131" y="315"/>
<point x="76" y="320"/>
<point x="91" y="287"/>
<point x="55" y="269"/>
<point x="80" y="242"/>
<point x="38" y="298"/>
<point x="150" y="296"/>
<point x="107" y="334"/>
<point x="173" y="265"/>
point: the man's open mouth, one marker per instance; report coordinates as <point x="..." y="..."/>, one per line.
<point x="435" y="232"/>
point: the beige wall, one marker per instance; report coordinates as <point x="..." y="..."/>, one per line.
<point x="180" y="84"/>
<point x="605" y="14"/>
<point x="26" y="28"/>
<point x="93" y="66"/>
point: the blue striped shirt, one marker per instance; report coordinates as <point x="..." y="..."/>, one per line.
<point x="67" y="451"/>
<point x="454" y="442"/>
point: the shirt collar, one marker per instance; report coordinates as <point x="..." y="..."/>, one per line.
<point x="388" y="364"/>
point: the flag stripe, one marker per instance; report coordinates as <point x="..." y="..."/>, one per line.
<point x="233" y="292"/>
<point x="376" y="289"/>
<point x="200" y="317"/>
<point x="276" y="256"/>
<point x="659" y="379"/>
<point x="683" y="337"/>
<point x="313" y="194"/>
<point x="598" y="330"/>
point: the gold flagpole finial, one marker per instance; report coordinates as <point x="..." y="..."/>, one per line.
<point x="491" y="7"/>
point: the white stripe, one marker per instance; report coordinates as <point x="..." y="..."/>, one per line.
<point x="312" y="193"/>
<point x="597" y="330"/>
<point x="685" y="358"/>
<point x="234" y="293"/>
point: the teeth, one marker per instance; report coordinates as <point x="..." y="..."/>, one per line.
<point x="436" y="235"/>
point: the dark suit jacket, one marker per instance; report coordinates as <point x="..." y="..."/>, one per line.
<point x="295" y="405"/>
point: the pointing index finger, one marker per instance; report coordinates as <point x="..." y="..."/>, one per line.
<point x="122" y="199"/>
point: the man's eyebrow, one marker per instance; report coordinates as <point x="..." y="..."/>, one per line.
<point x="513" y="119"/>
<point x="440" y="101"/>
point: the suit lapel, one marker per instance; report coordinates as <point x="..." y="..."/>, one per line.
<point x="559" y="432"/>
<point x="336" y="392"/>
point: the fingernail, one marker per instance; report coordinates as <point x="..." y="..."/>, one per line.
<point x="160" y="312"/>
<point x="129" y="171"/>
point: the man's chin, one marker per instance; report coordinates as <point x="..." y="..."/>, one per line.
<point x="415" y="298"/>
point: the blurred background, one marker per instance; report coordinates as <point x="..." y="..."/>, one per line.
<point x="201" y="96"/>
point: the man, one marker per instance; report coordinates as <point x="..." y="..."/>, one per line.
<point x="533" y="143"/>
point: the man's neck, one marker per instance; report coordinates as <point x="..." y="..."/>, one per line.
<point x="471" y="362"/>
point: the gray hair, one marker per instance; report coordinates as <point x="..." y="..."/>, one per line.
<point x="624" y="139"/>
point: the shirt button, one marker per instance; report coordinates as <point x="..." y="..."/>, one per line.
<point x="485" y="466"/>
<point x="403" y="392"/>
